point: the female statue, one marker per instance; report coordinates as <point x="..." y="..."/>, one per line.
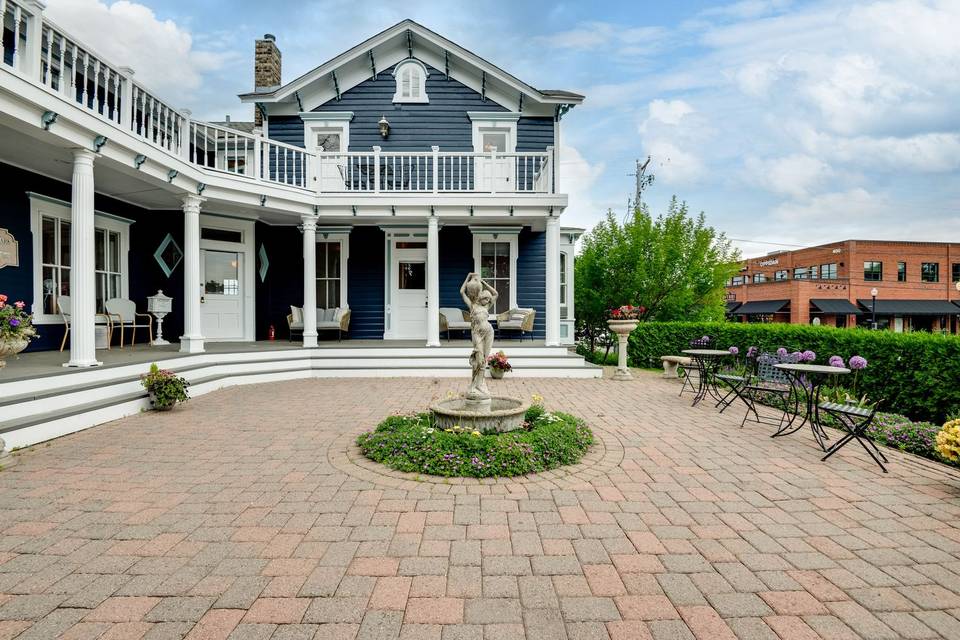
<point x="479" y="297"/>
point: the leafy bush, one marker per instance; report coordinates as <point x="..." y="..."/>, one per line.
<point x="412" y="443"/>
<point x="913" y="374"/>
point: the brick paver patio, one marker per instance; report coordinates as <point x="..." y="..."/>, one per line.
<point x="247" y="514"/>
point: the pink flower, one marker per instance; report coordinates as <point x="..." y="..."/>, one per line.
<point x="3" y="297"/>
<point x="19" y="304"/>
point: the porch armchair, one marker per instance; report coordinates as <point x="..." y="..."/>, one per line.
<point x="125" y="312"/>
<point x="517" y="320"/>
<point x="453" y="320"/>
<point x="65" y="307"/>
<point x="336" y="319"/>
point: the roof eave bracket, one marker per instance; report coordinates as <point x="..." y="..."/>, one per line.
<point x="409" y="43"/>
<point x="336" y="84"/>
<point x="446" y="64"/>
<point x="299" y="101"/>
<point x="373" y="64"/>
<point x="483" y="85"/>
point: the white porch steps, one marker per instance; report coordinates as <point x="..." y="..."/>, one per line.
<point x="44" y="407"/>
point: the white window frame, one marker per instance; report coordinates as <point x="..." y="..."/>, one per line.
<point x="510" y="236"/>
<point x="494" y="122"/>
<point x="325" y="121"/>
<point x="344" y="240"/>
<point x="411" y="63"/>
<point x="564" y="285"/>
<point x="40" y="207"/>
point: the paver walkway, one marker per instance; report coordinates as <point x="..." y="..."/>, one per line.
<point x="246" y="514"/>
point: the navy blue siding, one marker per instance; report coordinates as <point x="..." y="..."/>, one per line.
<point x="456" y="261"/>
<point x="532" y="276"/>
<point x="365" y="283"/>
<point x="414" y="127"/>
<point x="283" y="285"/>
<point x="146" y="234"/>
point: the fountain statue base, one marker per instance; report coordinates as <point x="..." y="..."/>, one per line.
<point x="487" y="415"/>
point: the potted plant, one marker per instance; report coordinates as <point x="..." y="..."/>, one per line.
<point x="16" y="328"/>
<point x="499" y="364"/>
<point x="623" y="320"/>
<point x="166" y="388"/>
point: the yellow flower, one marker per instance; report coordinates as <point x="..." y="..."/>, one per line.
<point x="948" y="441"/>
<point x="537" y="398"/>
<point x="476" y="433"/>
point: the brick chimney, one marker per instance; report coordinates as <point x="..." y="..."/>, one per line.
<point x="266" y="68"/>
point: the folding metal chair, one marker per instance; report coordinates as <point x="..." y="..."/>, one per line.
<point x="856" y="420"/>
<point x="687" y="369"/>
<point x="770" y="381"/>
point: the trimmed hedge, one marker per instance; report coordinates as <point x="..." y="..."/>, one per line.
<point x="914" y="374"/>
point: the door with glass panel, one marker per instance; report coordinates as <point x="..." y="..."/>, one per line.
<point x="495" y="269"/>
<point x="221" y="308"/>
<point x="331" y="170"/>
<point x="409" y="290"/>
<point x="493" y="171"/>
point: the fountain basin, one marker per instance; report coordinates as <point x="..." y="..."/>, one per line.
<point x="504" y="414"/>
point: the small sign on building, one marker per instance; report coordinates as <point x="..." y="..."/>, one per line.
<point x="9" y="250"/>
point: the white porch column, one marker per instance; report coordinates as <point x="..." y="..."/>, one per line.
<point x="433" y="282"/>
<point x="553" y="282"/>
<point x="192" y="339"/>
<point x="309" y="281"/>
<point x="83" y="287"/>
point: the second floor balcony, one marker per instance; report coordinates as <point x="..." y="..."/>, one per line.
<point x="39" y="51"/>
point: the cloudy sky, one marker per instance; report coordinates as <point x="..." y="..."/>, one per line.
<point x="787" y="122"/>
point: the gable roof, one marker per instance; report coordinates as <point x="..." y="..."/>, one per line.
<point x="414" y="38"/>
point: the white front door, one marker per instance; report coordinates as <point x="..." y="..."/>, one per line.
<point x="409" y="291"/>
<point x="494" y="172"/>
<point x="221" y="308"/>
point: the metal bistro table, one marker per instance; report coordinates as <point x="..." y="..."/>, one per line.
<point x="807" y="380"/>
<point x="708" y="360"/>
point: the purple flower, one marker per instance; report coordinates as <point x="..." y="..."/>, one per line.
<point x="781" y="352"/>
<point x="808" y="356"/>
<point x="752" y="352"/>
<point x="733" y="351"/>
<point x="14" y="322"/>
<point x="705" y="338"/>
<point x="858" y="362"/>
<point x="835" y="361"/>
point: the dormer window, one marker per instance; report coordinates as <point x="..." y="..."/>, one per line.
<point x="411" y="77"/>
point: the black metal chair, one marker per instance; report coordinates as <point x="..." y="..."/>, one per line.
<point x="855" y="420"/>
<point x="688" y="369"/>
<point x="768" y="380"/>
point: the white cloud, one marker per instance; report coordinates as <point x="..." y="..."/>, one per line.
<point x="592" y="36"/>
<point x="161" y="53"/>
<point x="793" y="175"/>
<point x="922" y="153"/>
<point x="670" y="133"/>
<point x="837" y="208"/>
<point x="577" y="178"/>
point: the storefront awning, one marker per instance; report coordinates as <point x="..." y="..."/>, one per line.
<point x="759" y="307"/>
<point x="910" y="307"/>
<point x="732" y="306"/>
<point x="836" y="306"/>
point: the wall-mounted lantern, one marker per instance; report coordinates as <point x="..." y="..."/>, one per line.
<point x="384" y="127"/>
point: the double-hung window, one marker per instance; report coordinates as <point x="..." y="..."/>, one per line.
<point x="873" y="271"/>
<point x="800" y="273"/>
<point x="930" y="272"/>
<point x="955" y="276"/>
<point x="759" y="277"/>
<point x="53" y="257"/>
<point x="563" y="287"/>
<point x="495" y="259"/>
<point x="901" y="272"/>
<point x="328" y="275"/>
<point x="781" y="274"/>
<point x="828" y="271"/>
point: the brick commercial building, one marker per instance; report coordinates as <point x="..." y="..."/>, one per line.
<point x="916" y="286"/>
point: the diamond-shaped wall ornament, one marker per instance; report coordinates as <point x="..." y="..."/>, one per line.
<point x="264" y="263"/>
<point x="168" y="255"/>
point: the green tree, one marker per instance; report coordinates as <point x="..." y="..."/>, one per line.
<point x="674" y="265"/>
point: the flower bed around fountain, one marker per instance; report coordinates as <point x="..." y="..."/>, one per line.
<point x="414" y="443"/>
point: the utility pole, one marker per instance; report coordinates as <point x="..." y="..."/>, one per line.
<point x="642" y="180"/>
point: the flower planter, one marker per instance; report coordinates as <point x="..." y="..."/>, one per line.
<point x="623" y="329"/>
<point x="11" y="347"/>
<point x="165" y="407"/>
<point x="497" y="373"/>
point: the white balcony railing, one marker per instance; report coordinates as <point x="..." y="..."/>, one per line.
<point x="435" y="172"/>
<point x="39" y="50"/>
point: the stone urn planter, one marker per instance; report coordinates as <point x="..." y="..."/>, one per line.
<point x="11" y="347"/>
<point x="497" y="373"/>
<point x="623" y="329"/>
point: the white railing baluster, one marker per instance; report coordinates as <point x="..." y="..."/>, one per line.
<point x="47" y="73"/>
<point x="17" y="17"/>
<point x="3" y="21"/>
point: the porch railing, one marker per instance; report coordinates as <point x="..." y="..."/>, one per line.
<point x="36" y="48"/>
<point x="435" y="172"/>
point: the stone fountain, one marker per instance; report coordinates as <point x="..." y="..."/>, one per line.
<point x="477" y="410"/>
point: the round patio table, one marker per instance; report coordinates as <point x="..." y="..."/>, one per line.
<point x="708" y="360"/>
<point x="807" y="379"/>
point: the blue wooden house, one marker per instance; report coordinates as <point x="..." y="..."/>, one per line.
<point x="366" y="189"/>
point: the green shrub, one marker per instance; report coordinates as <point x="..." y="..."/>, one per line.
<point x="413" y="444"/>
<point x="915" y="374"/>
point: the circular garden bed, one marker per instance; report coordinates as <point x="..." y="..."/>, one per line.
<point x="412" y="443"/>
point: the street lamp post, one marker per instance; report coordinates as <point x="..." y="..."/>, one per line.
<point x="873" y="311"/>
